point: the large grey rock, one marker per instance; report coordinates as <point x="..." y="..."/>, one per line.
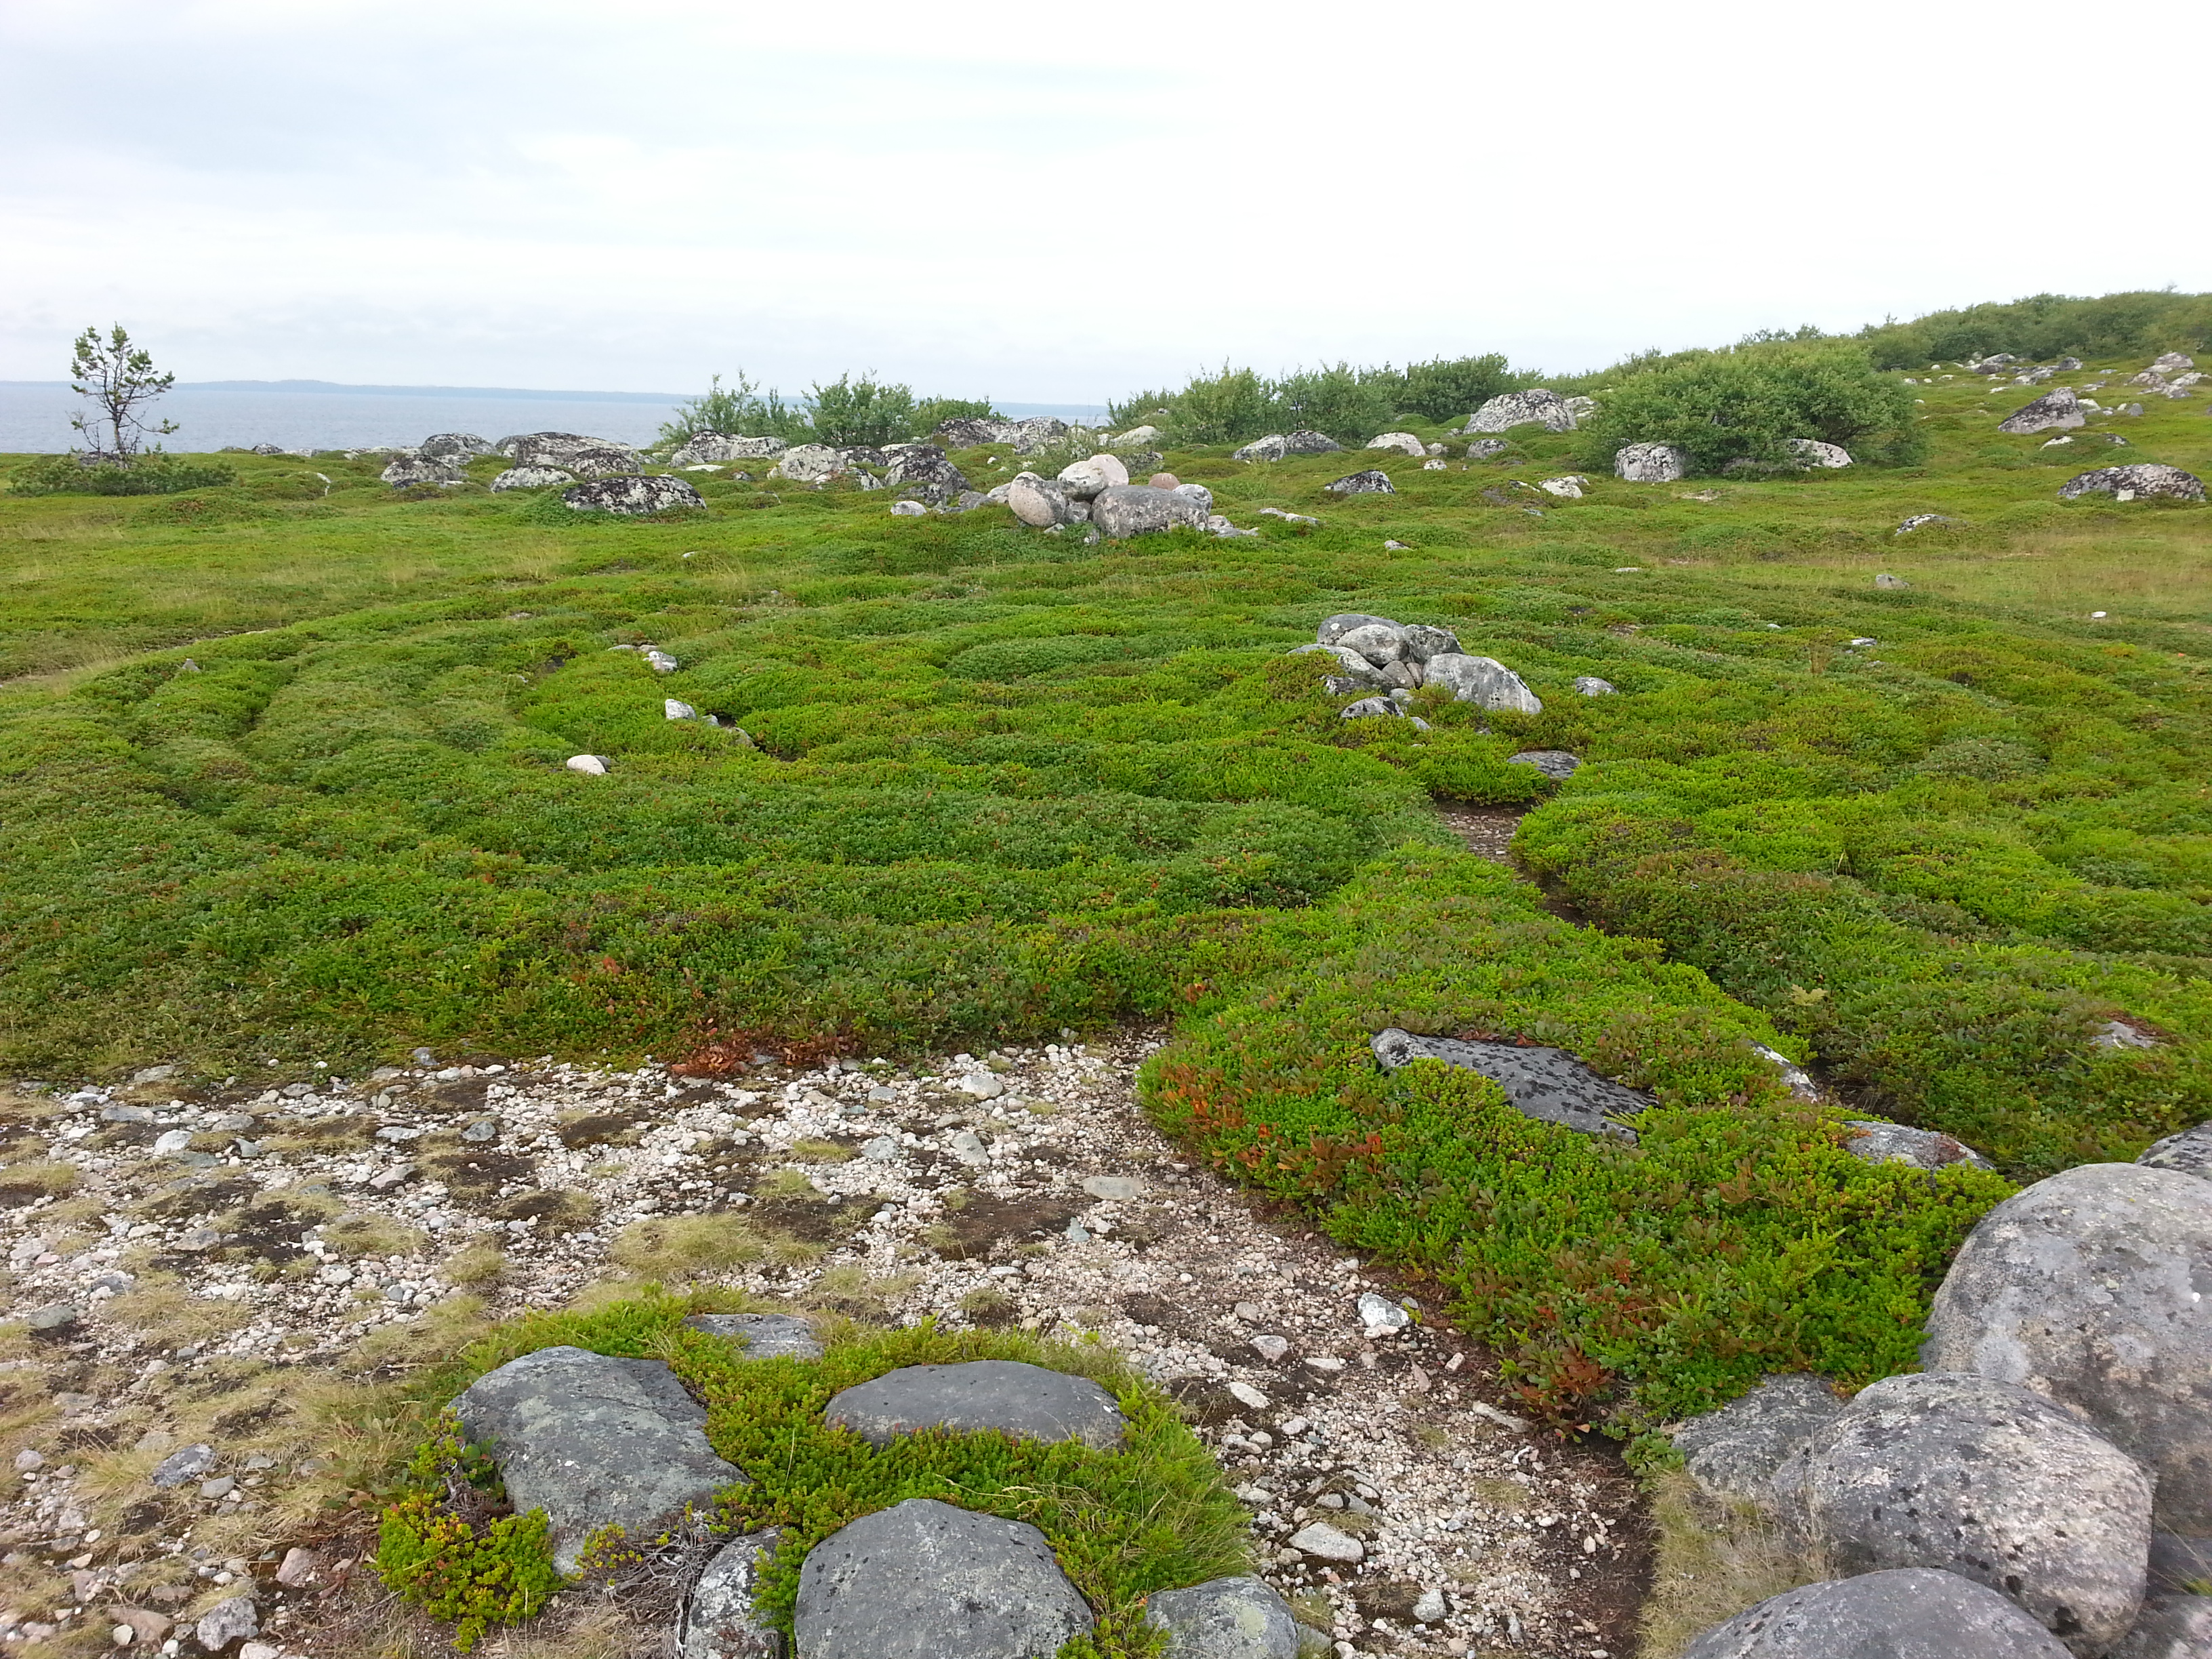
<point x="1373" y="481"/>
<point x="1912" y="1613"/>
<point x="2136" y="482"/>
<point x="1357" y="674"/>
<point x="763" y="1336"/>
<point x="1650" y="463"/>
<point x="1083" y="480"/>
<point x="1734" y="1452"/>
<point x="969" y="432"/>
<point x="1482" y="680"/>
<point x="720" y="1620"/>
<point x="1534" y="407"/>
<point x="2090" y="1287"/>
<point x="593" y="1441"/>
<point x="605" y="461"/>
<point x="1549" y="1084"/>
<point x="1813" y="452"/>
<point x="1896" y="1143"/>
<point x="1404" y="442"/>
<point x="630" y="495"/>
<point x="2170" y="1627"/>
<point x="2172" y="362"/>
<point x="2060" y="408"/>
<point x="1241" y="1618"/>
<point x="1556" y="765"/>
<point x="186" y="1463"/>
<point x="923" y="1580"/>
<point x="233" y="1620"/>
<point x="1334" y="628"/>
<point x="1122" y="510"/>
<point x="531" y="478"/>
<point x="457" y="446"/>
<point x="1380" y="643"/>
<point x="808" y="463"/>
<point x="1986" y="1479"/>
<point x="1038" y="433"/>
<point x="717" y="447"/>
<point x="1424" y="640"/>
<point x="412" y="470"/>
<point x="1196" y="492"/>
<point x="1025" y="1402"/>
<point x="1037" y="501"/>
<point x="1483" y="448"/>
<point x="545" y="448"/>
<point x="1276" y="445"/>
<point x="2187" y="1153"/>
<point x="920" y="473"/>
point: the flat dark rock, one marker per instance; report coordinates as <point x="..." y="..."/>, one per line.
<point x="764" y="1336"/>
<point x="1549" y="1084"/>
<point x="1026" y="1401"/>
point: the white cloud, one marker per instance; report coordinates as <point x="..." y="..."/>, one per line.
<point x="1046" y="202"/>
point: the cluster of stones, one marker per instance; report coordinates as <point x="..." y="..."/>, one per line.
<point x="598" y="1441"/>
<point x="1097" y="491"/>
<point x="2046" y="1485"/>
<point x="1381" y="663"/>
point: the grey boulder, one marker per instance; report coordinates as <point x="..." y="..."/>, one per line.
<point x="1556" y="765"/>
<point x="1358" y="673"/>
<point x="720" y="1620"/>
<point x="1650" y="463"/>
<point x="1483" y="448"/>
<point x="808" y="463"/>
<point x="1734" y="1452"/>
<point x="2187" y="1153"/>
<point x="2053" y="408"/>
<point x="1241" y="1618"/>
<point x="2150" y="479"/>
<point x="1985" y="1480"/>
<point x="1372" y="482"/>
<point x="1084" y="480"/>
<point x="1404" y="442"/>
<point x="233" y="1620"/>
<point x="920" y="473"/>
<point x="1590" y="686"/>
<point x="923" y="1580"/>
<point x="1037" y="501"/>
<point x="2170" y="1627"/>
<point x="1548" y="1085"/>
<point x="1534" y="407"/>
<point x="630" y="495"/>
<point x="1424" y="640"/>
<point x="1873" y="1142"/>
<point x="1276" y="445"/>
<point x="409" y="471"/>
<point x="593" y="1441"/>
<point x="459" y="446"/>
<point x="717" y="447"/>
<point x="1124" y="510"/>
<point x="1334" y="628"/>
<point x="763" y="1336"/>
<point x="1481" y="680"/>
<point x="1027" y="1402"/>
<point x="603" y="461"/>
<point x="2089" y="1288"/>
<point x="1912" y="1613"/>
<point x="1813" y="452"/>
<point x="1380" y="643"/>
<point x="531" y="478"/>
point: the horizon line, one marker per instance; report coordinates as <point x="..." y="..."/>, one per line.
<point x="529" y="393"/>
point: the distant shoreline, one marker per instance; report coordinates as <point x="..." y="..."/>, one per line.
<point x="520" y="393"/>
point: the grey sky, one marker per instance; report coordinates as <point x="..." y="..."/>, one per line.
<point x="1056" y="202"/>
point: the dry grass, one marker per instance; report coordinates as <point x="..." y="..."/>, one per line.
<point x="364" y="1234"/>
<point x="481" y="1263"/>
<point x="1712" y="1561"/>
<point x="786" y="1184"/>
<point x="37" y="1178"/>
<point x="677" y="1248"/>
<point x="822" y="1152"/>
<point x="161" y="1310"/>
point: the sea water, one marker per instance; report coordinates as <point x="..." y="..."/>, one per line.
<point x="35" y="415"/>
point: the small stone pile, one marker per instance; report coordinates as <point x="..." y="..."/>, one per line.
<point x="2046" y="1485"/>
<point x="1379" y="656"/>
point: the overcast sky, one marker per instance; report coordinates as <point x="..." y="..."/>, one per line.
<point x="1060" y="202"/>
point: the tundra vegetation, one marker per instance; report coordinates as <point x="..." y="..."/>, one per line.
<point x="281" y="775"/>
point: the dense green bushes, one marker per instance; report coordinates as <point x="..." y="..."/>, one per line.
<point x="2047" y="326"/>
<point x="1640" y="1282"/>
<point x="151" y="474"/>
<point x="1745" y="406"/>
<point x="1349" y="404"/>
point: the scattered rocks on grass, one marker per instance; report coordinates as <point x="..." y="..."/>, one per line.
<point x="409" y="471"/>
<point x="1909" y="1612"/>
<point x="2057" y="408"/>
<point x="630" y="496"/>
<point x="1733" y="1453"/>
<point x="593" y="1441"/>
<point x="1590" y="685"/>
<point x="2086" y="1288"/>
<point x="1876" y="1142"/>
<point x="531" y="478"/>
<point x="1650" y="464"/>
<point x="1548" y="1085"/>
<point x="720" y="448"/>
<point x="2143" y="480"/>
<point x="1986" y="1479"/>
<point x="923" y="1580"/>
<point x="1025" y="1402"/>
<point x="1404" y="442"/>
<point x="1278" y="446"/>
<point x="1373" y="481"/>
<point x="1534" y="407"/>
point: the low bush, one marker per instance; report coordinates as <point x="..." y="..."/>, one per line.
<point x="1623" y="1283"/>
<point x="151" y="474"/>
<point x="476" y="1569"/>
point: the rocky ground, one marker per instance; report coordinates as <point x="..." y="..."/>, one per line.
<point x="187" y="1270"/>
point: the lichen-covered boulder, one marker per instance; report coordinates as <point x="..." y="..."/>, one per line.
<point x="461" y="446"/>
<point x="808" y="463"/>
<point x="2061" y="408"/>
<point x="923" y="1580"/>
<point x="1549" y="1084"/>
<point x="1404" y="442"/>
<point x="1911" y="1613"/>
<point x="1986" y="1479"/>
<point x="1372" y="482"/>
<point x="920" y="473"/>
<point x="531" y="478"/>
<point x="2091" y="1288"/>
<point x="1083" y="480"/>
<point x="1334" y="628"/>
<point x="1733" y="1453"/>
<point x="1897" y="1143"/>
<point x="1812" y="452"/>
<point x="1241" y="1618"/>
<point x="1650" y="463"/>
<point x="2143" y="480"/>
<point x="1027" y="1402"/>
<point x="408" y="470"/>
<point x="1537" y="406"/>
<point x="1124" y="510"/>
<point x="593" y="1441"/>
<point x="720" y="1620"/>
<point x="1037" y="501"/>
<point x="630" y="495"/>
<point x="1482" y="680"/>
<point x="2189" y="1152"/>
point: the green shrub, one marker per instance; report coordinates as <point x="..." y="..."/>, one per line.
<point x="740" y="411"/>
<point x="1452" y="389"/>
<point x="866" y="410"/>
<point x="1227" y="408"/>
<point x="152" y="474"/>
<point x="933" y="412"/>
<point x="495" y="1569"/>
<point x="1747" y="404"/>
<point x="1349" y="404"/>
<point x="2046" y="326"/>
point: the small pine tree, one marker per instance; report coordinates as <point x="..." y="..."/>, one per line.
<point x="117" y="378"/>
